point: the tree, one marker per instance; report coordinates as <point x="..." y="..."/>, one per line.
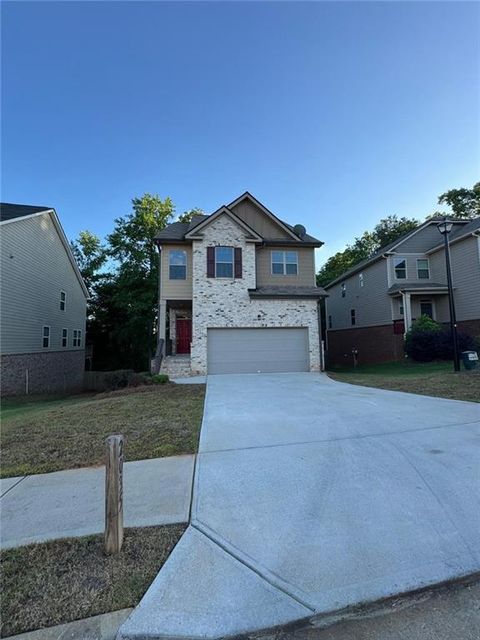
<point x="90" y="255"/>
<point x="187" y="216"/>
<point x="132" y="246"/>
<point x="385" y="232"/>
<point x="465" y="203"/>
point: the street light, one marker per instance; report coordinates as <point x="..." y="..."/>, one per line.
<point x="445" y="227"/>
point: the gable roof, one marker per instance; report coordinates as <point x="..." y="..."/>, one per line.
<point x="469" y="228"/>
<point x="178" y="231"/>
<point x="193" y="231"/>
<point x="388" y="248"/>
<point x="10" y="213"/>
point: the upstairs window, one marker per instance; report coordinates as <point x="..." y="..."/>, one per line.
<point x="46" y="337"/>
<point x="352" y="317"/>
<point x="224" y="262"/>
<point x="64" y="337"/>
<point x="63" y="301"/>
<point x="177" y="265"/>
<point x="284" y="263"/>
<point x="423" y="269"/>
<point x="343" y="289"/>
<point x="400" y="266"/>
<point x="360" y="279"/>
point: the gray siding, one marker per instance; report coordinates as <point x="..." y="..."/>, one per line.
<point x="371" y="302"/>
<point x="422" y="241"/>
<point x="259" y="221"/>
<point x="35" y="269"/>
<point x="466" y="278"/>
<point x="412" y="273"/>
<point x="176" y="289"/>
<point x="306" y="267"/>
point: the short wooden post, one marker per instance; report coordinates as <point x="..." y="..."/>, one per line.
<point x="114" y="494"/>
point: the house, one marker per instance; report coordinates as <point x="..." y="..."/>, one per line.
<point x="238" y="293"/>
<point x="43" y="304"/>
<point x="371" y="306"/>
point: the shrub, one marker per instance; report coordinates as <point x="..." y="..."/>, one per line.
<point x="124" y="378"/>
<point x="160" y="378"/>
<point x="427" y="341"/>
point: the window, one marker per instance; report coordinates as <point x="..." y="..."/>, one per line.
<point x="77" y="338"/>
<point x="64" y="337"/>
<point x="401" y="309"/>
<point x="177" y="265"/>
<point x="352" y="317"/>
<point x="423" y="269"/>
<point x="330" y="322"/>
<point x="400" y="265"/>
<point x="46" y="337"/>
<point x="63" y="301"/>
<point x="224" y="262"/>
<point x="343" y="289"/>
<point x="284" y="263"/>
<point x="360" y="279"/>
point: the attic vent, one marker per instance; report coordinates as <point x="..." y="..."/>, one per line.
<point x="300" y="230"/>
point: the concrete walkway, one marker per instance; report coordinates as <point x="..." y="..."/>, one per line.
<point x="72" y="503"/>
<point x="312" y="495"/>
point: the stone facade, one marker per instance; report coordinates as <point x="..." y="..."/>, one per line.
<point x="374" y="345"/>
<point x="49" y="372"/>
<point x="225" y="302"/>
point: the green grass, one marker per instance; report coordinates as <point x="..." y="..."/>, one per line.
<point x="43" y="435"/>
<point x="55" y="582"/>
<point x="430" y="378"/>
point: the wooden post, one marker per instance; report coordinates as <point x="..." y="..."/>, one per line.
<point x="114" y="494"/>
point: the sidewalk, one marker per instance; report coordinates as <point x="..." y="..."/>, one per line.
<point x="72" y="503"/>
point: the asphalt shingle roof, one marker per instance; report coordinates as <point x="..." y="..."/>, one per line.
<point x="287" y="291"/>
<point x="406" y="286"/>
<point x="9" y="211"/>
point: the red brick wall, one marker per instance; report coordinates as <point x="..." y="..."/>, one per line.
<point x="374" y="345"/>
<point x="472" y="327"/>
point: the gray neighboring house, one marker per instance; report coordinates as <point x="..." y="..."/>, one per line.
<point x="43" y="304"/>
<point x="371" y="306"/>
<point x="238" y="294"/>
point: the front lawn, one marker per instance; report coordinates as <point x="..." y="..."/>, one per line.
<point x="430" y="379"/>
<point x="55" y="582"/>
<point x="54" y="434"/>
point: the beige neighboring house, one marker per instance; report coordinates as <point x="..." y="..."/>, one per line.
<point x="43" y="304"/>
<point x="371" y="306"/>
<point x="238" y="294"/>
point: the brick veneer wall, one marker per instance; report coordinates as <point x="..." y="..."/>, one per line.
<point x="49" y="372"/>
<point x="472" y="327"/>
<point x="374" y="345"/>
<point x="224" y="302"/>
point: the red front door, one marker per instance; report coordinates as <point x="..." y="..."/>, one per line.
<point x="184" y="335"/>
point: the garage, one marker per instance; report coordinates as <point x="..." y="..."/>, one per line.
<point x="265" y="350"/>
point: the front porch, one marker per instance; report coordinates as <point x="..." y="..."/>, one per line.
<point x="409" y="302"/>
<point x="176" y="331"/>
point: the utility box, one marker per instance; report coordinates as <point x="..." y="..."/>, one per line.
<point x="470" y="359"/>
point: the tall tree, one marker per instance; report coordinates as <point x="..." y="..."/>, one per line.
<point x="187" y="216"/>
<point x="91" y="256"/>
<point x="133" y="248"/>
<point x="386" y="231"/>
<point x="464" y="203"/>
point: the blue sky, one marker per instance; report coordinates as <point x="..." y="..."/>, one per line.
<point x="333" y="114"/>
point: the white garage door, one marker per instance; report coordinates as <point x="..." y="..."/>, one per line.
<point x="257" y="350"/>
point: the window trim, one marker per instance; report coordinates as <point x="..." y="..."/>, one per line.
<point x="64" y="337"/>
<point x="361" y="280"/>
<point x="284" y="263"/>
<point x="46" y="337"/>
<point x="343" y="289"/>
<point x="399" y="259"/>
<point x="64" y="301"/>
<point x="172" y="251"/>
<point x="431" y="302"/>
<point x="77" y="338"/>
<point x="427" y="269"/>
<point x="232" y="249"/>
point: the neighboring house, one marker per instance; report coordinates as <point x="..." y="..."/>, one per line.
<point x="371" y="306"/>
<point x="43" y="304"/>
<point x="238" y="293"/>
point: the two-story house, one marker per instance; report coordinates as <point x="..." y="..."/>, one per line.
<point x="237" y="293"/>
<point x="371" y="306"/>
<point x="43" y="304"/>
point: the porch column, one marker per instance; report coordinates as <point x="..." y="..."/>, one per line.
<point x="162" y="320"/>
<point x="407" y="310"/>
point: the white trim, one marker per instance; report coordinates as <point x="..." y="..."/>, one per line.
<point x="193" y="234"/>
<point x="464" y="236"/>
<point x="224" y="246"/>
<point x="64" y="337"/>
<point x="284" y="263"/>
<point x="400" y="258"/>
<point x="427" y="269"/>
<point x="434" y="307"/>
<point x="29" y="215"/>
<point x="49" y="336"/>
<point x="263" y="208"/>
<point x="170" y="251"/>
<point x="64" y="301"/>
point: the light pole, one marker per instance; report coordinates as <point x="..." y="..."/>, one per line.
<point x="445" y="227"/>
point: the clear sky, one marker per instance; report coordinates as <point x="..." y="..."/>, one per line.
<point x="333" y="114"/>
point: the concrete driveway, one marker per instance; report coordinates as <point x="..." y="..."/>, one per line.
<point x="312" y="495"/>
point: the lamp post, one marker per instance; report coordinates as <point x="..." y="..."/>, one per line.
<point x="445" y="227"/>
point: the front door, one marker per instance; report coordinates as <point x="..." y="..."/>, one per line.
<point x="426" y="308"/>
<point x="184" y="335"/>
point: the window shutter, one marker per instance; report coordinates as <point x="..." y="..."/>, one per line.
<point x="238" y="263"/>
<point x="210" y="262"/>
